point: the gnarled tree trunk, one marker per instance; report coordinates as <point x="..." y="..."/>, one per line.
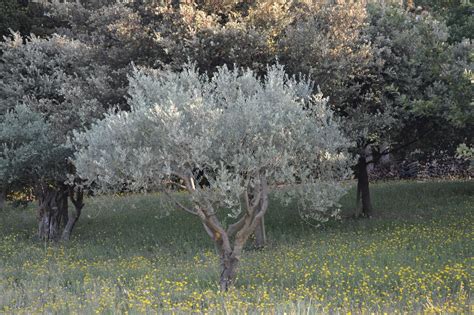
<point x="52" y="212"/>
<point x="228" y="270"/>
<point x="255" y="204"/>
<point x="77" y="199"/>
<point x="364" y="204"/>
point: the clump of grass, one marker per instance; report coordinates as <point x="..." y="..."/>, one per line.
<point x="127" y="256"/>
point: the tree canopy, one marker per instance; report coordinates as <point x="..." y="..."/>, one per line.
<point x="243" y="134"/>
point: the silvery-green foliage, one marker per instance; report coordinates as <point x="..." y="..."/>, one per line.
<point x="51" y="80"/>
<point x="52" y="76"/>
<point x="25" y="147"/>
<point x="234" y="127"/>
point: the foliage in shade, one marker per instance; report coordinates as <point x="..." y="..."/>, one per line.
<point x="54" y="82"/>
<point x="51" y="76"/>
<point x="388" y="71"/>
<point x="458" y="15"/>
<point x="26" y="149"/>
<point x="49" y="88"/>
<point x="427" y="80"/>
<point x="12" y="16"/>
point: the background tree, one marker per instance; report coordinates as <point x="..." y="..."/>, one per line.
<point x="26" y="17"/>
<point x="24" y="142"/>
<point x="13" y="16"/>
<point x="246" y="136"/>
<point x="390" y="73"/>
<point x="328" y="42"/>
<point x="54" y="82"/>
<point x="431" y="80"/>
<point x="458" y="15"/>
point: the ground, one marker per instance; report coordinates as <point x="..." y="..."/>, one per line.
<point x="128" y="256"/>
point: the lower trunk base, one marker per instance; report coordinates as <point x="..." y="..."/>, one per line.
<point x="55" y="221"/>
<point x="229" y="268"/>
<point x="52" y="213"/>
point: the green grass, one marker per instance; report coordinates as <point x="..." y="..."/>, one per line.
<point x="126" y="255"/>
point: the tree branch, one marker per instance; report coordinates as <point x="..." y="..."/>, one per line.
<point x="376" y="157"/>
<point x="233" y="228"/>
<point x="406" y="144"/>
<point x="180" y="205"/>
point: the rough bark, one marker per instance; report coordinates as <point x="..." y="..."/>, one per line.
<point x="255" y="211"/>
<point x="52" y="212"/>
<point x="77" y="199"/>
<point x="228" y="271"/>
<point x="260" y="235"/>
<point x="3" y="198"/>
<point x="255" y="204"/>
<point x="364" y="204"/>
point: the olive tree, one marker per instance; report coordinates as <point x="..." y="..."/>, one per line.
<point x="246" y="135"/>
<point x="23" y="143"/>
<point x="53" y="82"/>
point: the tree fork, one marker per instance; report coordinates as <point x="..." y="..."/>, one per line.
<point x="242" y="229"/>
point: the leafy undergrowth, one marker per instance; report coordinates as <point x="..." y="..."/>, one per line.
<point x="416" y="255"/>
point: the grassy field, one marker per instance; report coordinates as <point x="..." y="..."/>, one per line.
<point x="126" y="256"/>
